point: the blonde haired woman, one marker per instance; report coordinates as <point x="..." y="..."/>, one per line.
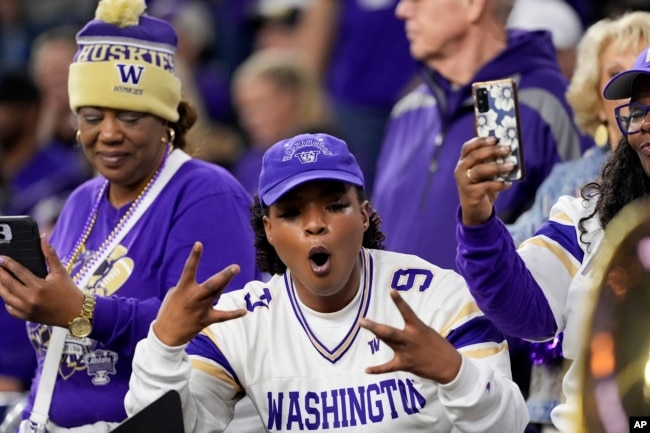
<point x="276" y="97"/>
<point x="608" y="47"/>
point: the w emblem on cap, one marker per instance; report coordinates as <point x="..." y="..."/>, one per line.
<point x="308" y="157"/>
<point x="130" y="74"/>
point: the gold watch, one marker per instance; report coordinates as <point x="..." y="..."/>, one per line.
<point x="82" y="325"/>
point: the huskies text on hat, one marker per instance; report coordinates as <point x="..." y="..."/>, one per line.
<point x="125" y="61"/>
<point x="304" y="158"/>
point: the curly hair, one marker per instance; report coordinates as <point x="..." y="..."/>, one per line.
<point x="267" y="258"/>
<point x="622" y="181"/>
<point x="187" y="118"/>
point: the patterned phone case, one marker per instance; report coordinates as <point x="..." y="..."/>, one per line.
<point x="496" y="113"/>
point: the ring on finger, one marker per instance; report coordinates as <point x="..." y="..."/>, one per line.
<point x="468" y="173"/>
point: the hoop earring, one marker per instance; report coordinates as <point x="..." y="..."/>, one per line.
<point x="172" y="135"/>
<point x="78" y="136"/>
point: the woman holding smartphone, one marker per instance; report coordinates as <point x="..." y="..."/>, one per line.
<point x="545" y="287"/>
<point x="123" y="236"/>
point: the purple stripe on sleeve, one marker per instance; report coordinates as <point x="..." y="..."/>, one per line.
<point x="477" y="330"/>
<point x="564" y="235"/>
<point x="201" y="345"/>
<point x="499" y="281"/>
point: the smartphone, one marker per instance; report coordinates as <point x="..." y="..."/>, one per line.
<point x="20" y="239"/>
<point x="496" y="113"/>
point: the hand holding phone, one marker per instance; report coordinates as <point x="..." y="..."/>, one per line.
<point x="20" y="239"/>
<point x="496" y="112"/>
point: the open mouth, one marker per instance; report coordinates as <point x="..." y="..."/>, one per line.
<point x="319" y="258"/>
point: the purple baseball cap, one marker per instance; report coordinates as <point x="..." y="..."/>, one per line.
<point x="303" y="158"/>
<point x="620" y="86"/>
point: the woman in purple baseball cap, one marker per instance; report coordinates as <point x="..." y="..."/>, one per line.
<point x="547" y="285"/>
<point x="344" y="336"/>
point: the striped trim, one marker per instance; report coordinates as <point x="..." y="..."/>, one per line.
<point x="205" y="346"/>
<point x="559" y="252"/>
<point x="99" y="40"/>
<point x="208" y="333"/>
<point x="478" y="330"/>
<point x="557" y="118"/>
<point x="366" y="283"/>
<point x="466" y="311"/>
<point x="416" y="100"/>
<point x="216" y="372"/>
<point x="561" y="234"/>
<point x="484" y="352"/>
<point x="562" y="217"/>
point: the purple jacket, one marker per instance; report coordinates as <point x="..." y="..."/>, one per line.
<point x="415" y="191"/>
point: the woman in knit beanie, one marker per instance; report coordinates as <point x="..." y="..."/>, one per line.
<point x="122" y="237"/>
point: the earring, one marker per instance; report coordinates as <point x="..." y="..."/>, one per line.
<point x="78" y="136"/>
<point x="172" y="136"/>
<point x="601" y="135"/>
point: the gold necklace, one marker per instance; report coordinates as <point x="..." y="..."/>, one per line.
<point x="92" y="218"/>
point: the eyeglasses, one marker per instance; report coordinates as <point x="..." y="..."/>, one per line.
<point x="630" y="117"/>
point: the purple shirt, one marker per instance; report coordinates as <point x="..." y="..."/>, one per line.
<point x="202" y="202"/>
<point x="371" y="63"/>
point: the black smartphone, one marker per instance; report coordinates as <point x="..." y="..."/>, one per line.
<point x="496" y="113"/>
<point x="20" y="239"/>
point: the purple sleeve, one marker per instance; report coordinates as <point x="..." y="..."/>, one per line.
<point x="221" y="224"/>
<point x="498" y="279"/>
<point x="122" y="322"/>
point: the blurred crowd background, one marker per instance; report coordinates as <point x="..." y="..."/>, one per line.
<point x="257" y="70"/>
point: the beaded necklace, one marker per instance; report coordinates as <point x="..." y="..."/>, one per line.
<point x="92" y="217"/>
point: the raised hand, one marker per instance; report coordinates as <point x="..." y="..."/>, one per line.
<point x="188" y="308"/>
<point x="418" y="348"/>
<point x="474" y="175"/>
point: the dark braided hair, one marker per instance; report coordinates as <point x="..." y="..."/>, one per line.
<point x="622" y="181"/>
<point x="269" y="261"/>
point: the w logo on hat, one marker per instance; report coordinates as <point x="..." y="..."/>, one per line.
<point x="130" y="74"/>
<point x="308" y="157"/>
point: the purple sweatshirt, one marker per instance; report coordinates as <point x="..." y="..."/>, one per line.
<point x="415" y="191"/>
<point x="202" y="202"/>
